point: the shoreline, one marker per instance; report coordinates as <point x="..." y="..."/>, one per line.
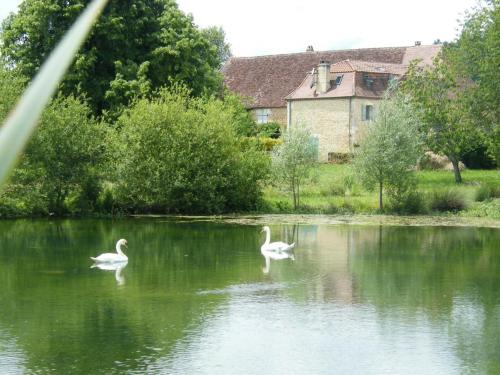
<point x="318" y="219"/>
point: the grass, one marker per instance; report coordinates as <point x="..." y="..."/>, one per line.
<point x="326" y="193"/>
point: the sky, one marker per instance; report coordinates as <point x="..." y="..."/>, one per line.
<point x="263" y="27"/>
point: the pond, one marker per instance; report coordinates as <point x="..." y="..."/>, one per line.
<point x="198" y="298"/>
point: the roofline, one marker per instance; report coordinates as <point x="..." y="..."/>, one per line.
<point x="338" y="97"/>
<point x="326" y="51"/>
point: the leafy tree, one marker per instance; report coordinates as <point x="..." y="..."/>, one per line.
<point x="65" y="154"/>
<point x="390" y="149"/>
<point x="179" y="154"/>
<point x="294" y="159"/>
<point x="135" y="47"/>
<point x="217" y="37"/>
<point x="11" y="87"/>
<point x="441" y="98"/>
<point x="476" y="55"/>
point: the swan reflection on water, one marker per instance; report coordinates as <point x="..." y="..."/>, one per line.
<point x="117" y="267"/>
<point x="275" y="255"/>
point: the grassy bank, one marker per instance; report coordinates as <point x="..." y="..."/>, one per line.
<point x="332" y="191"/>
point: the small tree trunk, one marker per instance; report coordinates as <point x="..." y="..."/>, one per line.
<point x="380" y="196"/>
<point x="456" y="169"/>
<point x="298" y="194"/>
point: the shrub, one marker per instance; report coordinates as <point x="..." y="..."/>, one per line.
<point x="269" y="130"/>
<point x="447" y="200"/>
<point x="483" y="193"/>
<point x="177" y="154"/>
<point x="413" y="203"/>
<point x="486" y="192"/>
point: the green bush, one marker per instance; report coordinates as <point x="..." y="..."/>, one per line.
<point x="269" y="130"/>
<point x="486" y="192"/>
<point x="413" y="203"/>
<point x="447" y="200"/>
<point x="483" y="193"/>
<point x="176" y="154"/>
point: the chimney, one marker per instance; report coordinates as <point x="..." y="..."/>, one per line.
<point x="418" y="43"/>
<point x="323" y="84"/>
<point x="310" y="49"/>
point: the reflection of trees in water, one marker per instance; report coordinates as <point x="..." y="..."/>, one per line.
<point x="450" y="275"/>
<point x="68" y="318"/>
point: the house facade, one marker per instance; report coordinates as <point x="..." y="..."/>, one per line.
<point x="335" y="93"/>
<point x="338" y="101"/>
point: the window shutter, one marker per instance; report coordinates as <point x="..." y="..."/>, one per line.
<point x="363" y="112"/>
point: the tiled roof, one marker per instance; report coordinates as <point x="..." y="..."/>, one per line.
<point x="367" y="67"/>
<point x="266" y="80"/>
<point x="353" y="82"/>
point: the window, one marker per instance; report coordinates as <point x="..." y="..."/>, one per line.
<point x="338" y="80"/>
<point x="367" y="80"/>
<point x="263" y="115"/>
<point x="366" y="112"/>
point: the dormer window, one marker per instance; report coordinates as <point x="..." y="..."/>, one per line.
<point x="367" y="80"/>
<point x="338" y="80"/>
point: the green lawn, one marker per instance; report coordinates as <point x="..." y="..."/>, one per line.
<point x="326" y="193"/>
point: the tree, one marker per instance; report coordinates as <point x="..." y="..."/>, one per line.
<point x="65" y="154"/>
<point x="476" y="55"/>
<point x="293" y="160"/>
<point x="179" y="154"/>
<point x="390" y="148"/>
<point x="136" y="47"/>
<point x="11" y="88"/>
<point x="217" y="37"/>
<point x="440" y="95"/>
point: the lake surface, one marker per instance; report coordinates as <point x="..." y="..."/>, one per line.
<point x="198" y="298"/>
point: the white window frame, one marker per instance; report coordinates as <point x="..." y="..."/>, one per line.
<point x="262" y="115"/>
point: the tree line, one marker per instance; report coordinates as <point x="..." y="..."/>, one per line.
<point x="142" y="122"/>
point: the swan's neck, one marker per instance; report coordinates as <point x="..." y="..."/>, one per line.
<point x="119" y="249"/>
<point x="268" y="237"/>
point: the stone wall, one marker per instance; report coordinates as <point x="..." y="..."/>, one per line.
<point x="276" y="114"/>
<point x="358" y="126"/>
<point x="328" y="120"/>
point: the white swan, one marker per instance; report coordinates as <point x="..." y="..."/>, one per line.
<point x="113" y="257"/>
<point x="274" y="246"/>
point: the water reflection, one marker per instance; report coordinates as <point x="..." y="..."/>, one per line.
<point x="117" y="267"/>
<point x="274" y="255"/>
<point x="425" y="299"/>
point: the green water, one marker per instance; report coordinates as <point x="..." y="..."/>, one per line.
<point x="195" y="298"/>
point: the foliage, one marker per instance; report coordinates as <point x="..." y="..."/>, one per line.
<point x="178" y="154"/>
<point x="390" y="149"/>
<point x="479" y="159"/>
<point x="135" y="47"/>
<point x="64" y="157"/>
<point x="293" y="160"/>
<point x="447" y="200"/>
<point x="11" y="87"/>
<point x="217" y="37"/>
<point x="486" y="192"/>
<point x="269" y="130"/>
<point x="476" y="54"/>
<point x="437" y="93"/>
<point x="458" y="97"/>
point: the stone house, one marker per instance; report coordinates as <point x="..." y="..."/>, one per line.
<point x="284" y="88"/>
<point x="338" y="101"/>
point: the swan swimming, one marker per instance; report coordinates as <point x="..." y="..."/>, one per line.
<point x="274" y="246"/>
<point x="113" y="257"/>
